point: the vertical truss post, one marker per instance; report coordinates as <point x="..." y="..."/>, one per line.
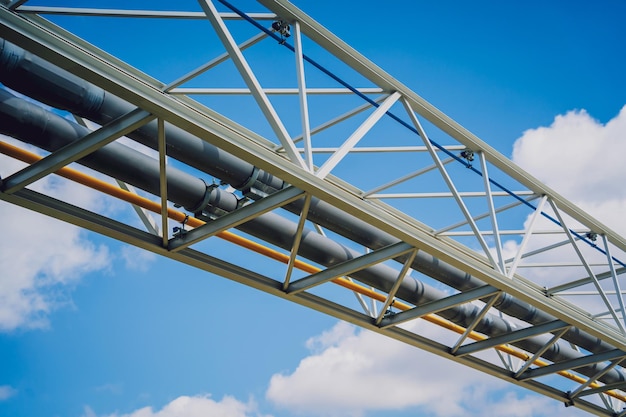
<point x="450" y="184"/>
<point x="595" y="281"/>
<point x="526" y="238"/>
<point x="163" y="179"/>
<point x="492" y="212"/>
<point x="296" y="240"/>
<point x="358" y="134"/>
<point x="253" y="84"/>
<point x="304" y="106"/>
<point x="618" y="291"/>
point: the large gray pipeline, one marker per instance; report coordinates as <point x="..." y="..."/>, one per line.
<point x="32" y="124"/>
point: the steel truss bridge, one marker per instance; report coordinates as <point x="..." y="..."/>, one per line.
<point x="329" y="171"/>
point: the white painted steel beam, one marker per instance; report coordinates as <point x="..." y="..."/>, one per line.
<point x="235" y="218"/>
<point x="511" y="337"/>
<point x="439" y="305"/>
<point x="348" y="267"/>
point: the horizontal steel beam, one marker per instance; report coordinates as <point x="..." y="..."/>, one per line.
<point x="572" y="364"/>
<point x="235" y="218"/>
<point x="348" y="267"/>
<point x="511" y="337"/>
<point x="439" y="305"/>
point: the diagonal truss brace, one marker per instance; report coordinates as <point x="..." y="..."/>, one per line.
<point x="76" y="150"/>
<point x="235" y="218"/>
<point x="358" y="134"/>
<point x="396" y="285"/>
<point x="251" y="81"/>
<point x="449" y="182"/>
<point x="348" y="267"/>
<point x="580" y="391"/>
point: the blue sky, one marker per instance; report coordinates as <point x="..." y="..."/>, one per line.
<point x="99" y="329"/>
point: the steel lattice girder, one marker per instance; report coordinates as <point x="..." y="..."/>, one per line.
<point x="103" y="70"/>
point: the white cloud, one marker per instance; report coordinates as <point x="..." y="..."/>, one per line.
<point x="352" y="372"/>
<point x="6" y="392"/>
<point x="42" y="257"/>
<point x="582" y="159"/>
<point x="196" y="406"/>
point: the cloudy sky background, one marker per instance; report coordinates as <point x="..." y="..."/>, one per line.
<point x="94" y="328"/>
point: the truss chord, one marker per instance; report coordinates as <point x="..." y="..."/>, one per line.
<point x="251" y="81"/>
<point x="172" y="14"/>
<point x="513" y="336"/>
<point x="436" y="306"/>
<point x="572" y="364"/>
<point x="235" y="218"/>
<point x="350" y="266"/>
<point x="15" y="4"/>
<point x="580" y="255"/>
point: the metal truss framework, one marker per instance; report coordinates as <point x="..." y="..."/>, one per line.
<point x="566" y="247"/>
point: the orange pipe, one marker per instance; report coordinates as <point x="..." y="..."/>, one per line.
<point x="147" y="204"/>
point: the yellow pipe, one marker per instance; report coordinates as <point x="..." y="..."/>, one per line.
<point x="147" y="204"/>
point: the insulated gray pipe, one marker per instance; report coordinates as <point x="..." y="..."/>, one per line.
<point x="32" y="124"/>
<point x="58" y="88"/>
